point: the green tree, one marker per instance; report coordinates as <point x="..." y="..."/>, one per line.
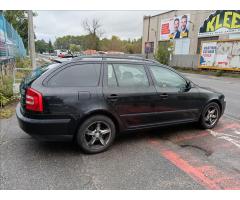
<point x="65" y="41"/>
<point x="50" y="47"/>
<point x="94" y="31"/>
<point x="113" y="44"/>
<point x="74" y="48"/>
<point x="162" y="55"/>
<point x="92" y="41"/>
<point x="41" y="46"/>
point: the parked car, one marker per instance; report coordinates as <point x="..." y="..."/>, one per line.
<point x="91" y="99"/>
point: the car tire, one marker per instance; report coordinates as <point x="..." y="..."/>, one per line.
<point x="210" y="116"/>
<point x="96" y="134"/>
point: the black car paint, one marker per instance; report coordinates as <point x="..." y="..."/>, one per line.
<point x="132" y="109"/>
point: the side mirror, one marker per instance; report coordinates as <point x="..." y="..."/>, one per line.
<point x="188" y="86"/>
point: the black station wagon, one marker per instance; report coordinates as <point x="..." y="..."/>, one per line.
<point x="91" y="99"/>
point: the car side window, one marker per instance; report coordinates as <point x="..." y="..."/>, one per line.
<point x="130" y="75"/>
<point x="166" y="78"/>
<point x="111" y="80"/>
<point x="80" y="75"/>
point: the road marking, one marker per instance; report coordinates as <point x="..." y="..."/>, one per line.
<point x="231" y="117"/>
<point x="202" y="172"/>
<point x="237" y="132"/>
<point x="196" y="174"/>
<point x="227" y="136"/>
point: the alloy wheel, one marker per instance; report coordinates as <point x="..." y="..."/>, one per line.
<point x="97" y="135"/>
<point x="211" y="116"/>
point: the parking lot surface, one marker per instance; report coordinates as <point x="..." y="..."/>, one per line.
<point x="179" y="157"/>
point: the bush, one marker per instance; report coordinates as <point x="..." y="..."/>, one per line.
<point x="162" y="55"/>
<point x="6" y="90"/>
<point x="219" y="73"/>
<point x="3" y="100"/>
<point x="6" y="87"/>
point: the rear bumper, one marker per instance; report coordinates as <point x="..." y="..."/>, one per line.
<point x="46" y="129"/>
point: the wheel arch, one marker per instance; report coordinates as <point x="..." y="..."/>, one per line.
<point x="106" y="113"/>
<point x="217" y="101"/>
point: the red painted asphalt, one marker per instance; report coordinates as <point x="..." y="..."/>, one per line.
<point x="201" y="169"/>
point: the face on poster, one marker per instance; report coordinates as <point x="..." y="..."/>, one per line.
<point x="174" y="28"/>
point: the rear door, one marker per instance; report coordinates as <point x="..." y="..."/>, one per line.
<point x="73" y="89"/>
<point x="175" y="103"/>
<point x="130" y="93"/>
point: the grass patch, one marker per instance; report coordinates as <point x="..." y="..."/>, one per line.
<point x="8" y="110"/>
<point x="6" y="113"/>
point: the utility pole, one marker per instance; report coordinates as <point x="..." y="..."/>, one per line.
<point x="31" y="41"/>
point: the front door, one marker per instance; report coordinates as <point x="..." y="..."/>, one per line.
<point x="130" y="93"/>
<point x="176" y="102"/>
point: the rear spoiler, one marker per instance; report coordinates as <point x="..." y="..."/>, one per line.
<point x="57" y="60"/>
<point x="60" y="60"/>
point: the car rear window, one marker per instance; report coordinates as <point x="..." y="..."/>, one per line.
<point x="36" y="73"/>
<point x="80" y="75"/>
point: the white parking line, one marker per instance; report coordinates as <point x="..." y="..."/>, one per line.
<point x="233" y="137"/>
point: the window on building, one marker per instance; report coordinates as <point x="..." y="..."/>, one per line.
<point x="181" y="46"/>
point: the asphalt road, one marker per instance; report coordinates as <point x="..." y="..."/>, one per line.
<point x="181" y="157"/>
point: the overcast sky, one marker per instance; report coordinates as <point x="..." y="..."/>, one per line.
<point x="125" y="24"/>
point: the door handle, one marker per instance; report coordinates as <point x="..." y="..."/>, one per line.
<point x="164" y="96"/>
<point x="112" y="97"/>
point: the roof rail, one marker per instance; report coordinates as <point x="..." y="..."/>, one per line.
<point x="105" y="56"/>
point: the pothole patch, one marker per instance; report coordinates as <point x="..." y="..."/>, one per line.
<point x="205" y="151"/>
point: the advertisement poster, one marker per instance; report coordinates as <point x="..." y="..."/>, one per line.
<point x="208" y="54"/>
<point x="221" y="22"/>
<point x="221" y="54"/>
<point x="174" y="28"/>
<point x="149" y="47"/>
<point x="222" y="61"/>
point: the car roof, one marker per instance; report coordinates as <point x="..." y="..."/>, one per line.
<point x="123" y="58"/>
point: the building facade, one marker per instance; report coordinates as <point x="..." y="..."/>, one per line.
<point x="183" y="32"/>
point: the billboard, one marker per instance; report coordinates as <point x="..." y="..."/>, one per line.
<point x="221" y="22"/>
<point x="174" y="28"/>
<point x="220" y="55"/>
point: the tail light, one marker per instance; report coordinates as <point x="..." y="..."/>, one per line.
<point x="34" y="100"/>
